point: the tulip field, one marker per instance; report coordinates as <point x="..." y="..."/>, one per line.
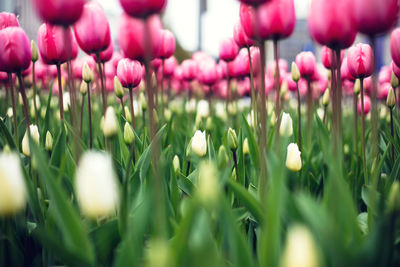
<point x="122" y="153"/>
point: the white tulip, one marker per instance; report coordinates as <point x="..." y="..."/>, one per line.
<point x="203" y="109"/>
<point x="110" y="125"/>
<point x="9" y="112"/>
<point x="190" y="106"/>
<point x="286" y="128"/>
<point x="199" y="143"/>
<point x="220" y="111"/>
<point x="293" y="158"/>
<point x="208" y="183"/>
<point x="96" y="185"/>
<point x="66" y="101"/>
<point x="34" y="131"/>
<point x="12" y="184"/>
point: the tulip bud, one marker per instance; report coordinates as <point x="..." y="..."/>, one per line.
<point x="12" y="185"/>
<point x="167" y="114"/>
<point x="143" y="101"/>
<point x="9" y="112"/>
<point x="66" y="101"/>
<point x="110" y="126"/>
<point x="34" y="131"/>
<point x="325" y="98"/>
<point x="391" y="99"/>
<point x="394" y="81"/>
<point x="203" y="109"/>
<point x="6" y="149"/>
<point x="223" y="157"/>
<point x="83" y="88"/>
<point x="208" y="184"/>
<point x="49" y="142"/>
<point x="357" y="87"/>
<point x="232" y="139"/>
<point x="128" y="116"/>
<point x="129" y="136"/>
<point x="295" y="72"/>
<point x="158" y="254"/>
<point x="118" y="89"/>
<point x="176" y="164"/>
<point x="209" y="124"/>
<point x="293" y="158"/>
<point x="246" y="150"/>
<point x="199" y="143"/>
<point x="96" y="185"/>
<point x="300" y="249"/>
<point x="284" y="88"/>
<point x="394" y="197"/>
<point x="190" y="106"/>
<point x="34" y="51"/>
<point x="87" y="74"/>
<point x="286" y="128"/>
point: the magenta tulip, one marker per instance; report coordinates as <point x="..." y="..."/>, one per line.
<point x="92" y="31"/>
<point x="396" y="70"/>
<point x="167" y="44"/>
<point x="189" y="69"/>
<point x="306" y="63"/>
<point x="15" y="50"/>
<point x="207" y="73"/>
<point x="253" y="2"/>
<point x="59" y="12"/>
<point x="367" y="105"/>
<point x="373" y="17"/>
<point x="129" y="72"/>
<point x="383" y="90"/>
<point x="360" y="60"/>
<point x="105" y="55"/>
<point x="169" y="66"/>
<point x="140" y="8"/>
<point x="131" y="36"/>
<point x="385" y="75"/>
<point x="344" y="71"/>
<point x="228" y="49"/>
<point x="8" y="20"/>
<point x="395" y="45"/>
<point x="326" y="58"/>
<point x="240" y="37"/>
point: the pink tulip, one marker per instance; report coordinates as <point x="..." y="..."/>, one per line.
<point x="167" y="44"/>
<point x="274" y="19"/>
<point x="8" y="20"/>
<point x="330" y="23"/>
<point x="15" y="50"/>
<point x="92" y="31"/>
<point x="383" y="90"/>
<point x="189" y="69"/>
<point x="240" y="37"/>
<point x="129" y="72"/>
<point x="283" y="67"/>
<point x="385" y="75"/>
<point x="306" y="63"/>
<point x="207" y="73"/>
<point x="131" y="36"/>
<point x="105" y="55"/>
<point x="228" y="49"/>
<point x="367" y="105"/>
<point x="52" y="46"/>
<point x="200" y="56"/>
<point x="375" y="16"/>
<point x="360" y="60"/>
<point x="77" y="66"/>
<point x="253" y="2"/>
<point x="348" y="87"/>
<point x="140" y="8"/>
<point x="59" y="12"/>
<point x="395" y="45"/>
<point x="326" y="57"/>
<point x="244" y="87"/>
<point x="344" y="71"/>
<point x="291" y="84"/>
<point x="396" y="70"/>
<point x="169" y="66"/>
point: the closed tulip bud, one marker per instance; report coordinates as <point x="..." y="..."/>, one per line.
<point x="143" y="101"/>
<point x="300" y="249"/>
<point x="360" y="60"/>
<point x="83" y="88"/>
<point x="284" y="88"/>
<point x="232" y="139"/>
<point x="209" y="124"/>
<point x="128" y="115"/>
<point x="286" y="128"/>
<point x="223" y="158"/>
<point x="325" y="98"/>
<point x="176" y="164"/>
<point x="295" y="72"/>
<point x="394" y="81"/>
<point x="110" y="126"/>
<point x="394" y="197"/>
<point x="12" y="185"/>
<point x="34" y="131"/>
<point x="34" y="51"/>
<point x="49" y="142"/>
<point x="199" y="143"/>
<point x="9" y="112"/>
<point x="129" y="136"/>
<point x="6" y="149"/>
<point x="87" y="74"/>
<point x="246" y="150"/>
<point x="158" y="253"/>
<point x="96" y="185"/>
<point x="167" y="114"/>
<point x="391" y="99"/>
<point x="357" y="87"/>
<point x="118" y="89"/>
<point x="293" y="158"/>
<point x="208" y="184"/>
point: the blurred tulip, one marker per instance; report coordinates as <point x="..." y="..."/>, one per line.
<point x="395" y="45"/>
<point x="34" y="132"/>
<point x="129" y="72"/>
<point x="360" y="61"/>
<point x="207" y="73"/>
<point x="326" y="57"/>
<point x="140" y="8"/>
<point x="385" y="74"/>
<point x="8" y="20"/>
<point x="105" y="55"/>
<point x="240" y="37"/>
<point x="189" y="69"/>
<point x="253" y="2"/>
<point x="15" y="50"/>
<point x="383" y="90"/>
<point x="199" y="143"/>
<point x="59" y="12"/>
<point x="306" y="64"/>
<point x="293" y="158"/>
<point x="286" y="128"/>
<point x="110" y="125"/>
<point x="367" y="105"/>
<point x="169" y="66"/>
<point x="92" y="30"/>
<point x="167" y="44"/>
<point x="228" y="49"/>
<point x="396" y="70"/>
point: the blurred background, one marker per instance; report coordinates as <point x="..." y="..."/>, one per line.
<point x="199" y="25"/>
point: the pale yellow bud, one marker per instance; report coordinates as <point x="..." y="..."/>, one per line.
<point x="391" y="99"/>
<point x="34" y="131"/>
<point x="49" y="141"/>
<point x="295" y="72"/>
<point x="232" y="139"/>
<point x="110" y="126"/>
<point x="83" y="88"/>
<point x="129" y="136"/>
<point x="118" y="89"/>
<point x="128" y="115"/>
<point x="34" y="51"/>
<point x="325" y="98"/>
<point x="246" y="150"/>
<point x="143" y="101"/>
<point x="208" y="187"/>
<point x="176" y="164"/>
<point x="87" y="74"/>
<point x="286" y="128"/>
<point x="293" y="158"/>
<point x="199" y="143"/>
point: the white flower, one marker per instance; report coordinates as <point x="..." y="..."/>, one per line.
<point x="286" y="128"/>
<point x="34" y="131"/>
<point x="320" y="113"/>
<point x="203" y="109"/>
<point x="199" y="143"/>
<point x="208" y="183"/>
<point x="66" y="101"/>
<point x="293" y="158"/>
<point x="190" y="105"/>
<point x="246" y="147"/>
<point x="220" y="111"/>
<point x="251" y="119"/>
<point x="300" y="250"/>
<point x="96" y="185"/>
<point x="9" y="112"/>
<point x="110" y="125"/>
<point x="12" y="184"/>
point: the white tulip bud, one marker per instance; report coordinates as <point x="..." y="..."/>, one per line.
<point x="190" y="106"/>
<point x="9" y="112"/>
<point x="66" y="101"/>
<point x="129" y="136"/>
<point x="295" y="72"/>
<point x="83" y="88"/>
<point x="300" y="249"/>
<point x="220" y="111"/>
<point x="208" y="184"/>
<point x="167" y="114"/>
<point x="12" y="185"/>
<point x="110" y="126"/>
<point x="286" y="128"/>
<point x="34" y="51"/>
<point x="87" y="74"/>
<point x="34" y="131"/>
<point x="176" y="164"/>
<point x="246" y="147"/>
<point x="203" y="109"/>
<point x="232" y="139"/>
<point x="96" y="185"/>
<point x="293" y="158"/>
<point x="128" y="115"/>
<point x="143" y="101"/>
<point x="49" y="141"/>
<point x="199" y="143"/>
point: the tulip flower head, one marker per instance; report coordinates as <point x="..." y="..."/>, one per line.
<point x="326" y="57"/>
<point x="286" y="128"/>
<point x="199" y="143"/>
<point x="228" y="49"/>
<point x="143" y="9"/>
<point x="306" y="64"/>
<point x="34" y="132"/>
<point x="240" y="37"/>
<point x="395" y="46"/>
<point x="167" y="44"/>
<point x="15" y="47"/>
<point x="189" y="69"/>
<point x="129" y="136"/>
<point x="360" y="61"/>
<point x="293" y="158"/>
<point x="8" y="20"/>
<point x="367" y="105"/>
<point x="59" y="12"/>
<point x="253" y="2"/>
<point x="129" y="72"/>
